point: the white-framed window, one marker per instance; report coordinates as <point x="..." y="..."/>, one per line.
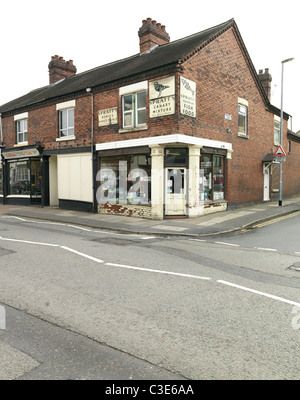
<point x="134" y="110"/>
<point x="243" y="119"/>
<point x="66" y="122"/>
<point x="21" y="130"/>
<point x="276" y="130"/>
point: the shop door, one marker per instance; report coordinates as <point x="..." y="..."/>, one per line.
<point x="35" y="181"/>
<point x="266" y="184"/>
<point x="175" y="202"/>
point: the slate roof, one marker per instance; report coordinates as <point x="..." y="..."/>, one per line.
<point x="161" y="56"/>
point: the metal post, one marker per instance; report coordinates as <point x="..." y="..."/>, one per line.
<point x="281" y="128"/>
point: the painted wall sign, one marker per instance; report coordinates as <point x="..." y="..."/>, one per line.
<point x="162" y="97"/>
<point x="108" y="116"/>
<point x="162" y="106"/>
<point x="187" y="97"/>
<point x="162" y="88"/>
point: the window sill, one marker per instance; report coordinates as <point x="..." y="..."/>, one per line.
<point x="243" y="135"/>
<point x="21" y="144"/>
<point x="139" y="128"/>
<point x="63" y="139"/>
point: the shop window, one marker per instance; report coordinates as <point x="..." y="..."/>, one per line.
<point x="66" y="122"/>
<point x="21" y="131"/>
<point x="134" y="110"/>
<point x="125" y="180"/>
<point x="176" y="157"/>
<point x="212" y="168"/>
<point x="243" y="119"/>
<point x="25" y="178"/>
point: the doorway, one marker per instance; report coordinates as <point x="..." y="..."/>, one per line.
<point x="175" y="192"/>
<point x="266" y="183"/>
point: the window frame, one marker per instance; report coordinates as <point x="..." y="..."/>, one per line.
<point x="277" y="131"/>
<point x="69" y="127"/>
<point x="245" y="117"/>
<point x="21" y="133"/>
<point x="134" y="111"/>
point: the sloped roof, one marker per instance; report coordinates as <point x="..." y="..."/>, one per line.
<point x="165" y="55"/>
<point x="170" y="53"/>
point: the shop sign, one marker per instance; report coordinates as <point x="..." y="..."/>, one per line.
<point x="108" y="116"/>
<point x="21" y="153"/>
<point x="162" y="97"/>
<point x="187" y="97"/>
<point x="162" y="106"/>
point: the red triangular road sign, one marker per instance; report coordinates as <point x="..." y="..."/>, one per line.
<point x="279" y="152"/>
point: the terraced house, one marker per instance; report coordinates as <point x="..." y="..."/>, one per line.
<point x="180" y="129"/>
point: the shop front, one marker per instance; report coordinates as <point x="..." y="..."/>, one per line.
<point x="162" y="177"/>
<point x="25" y="175"/>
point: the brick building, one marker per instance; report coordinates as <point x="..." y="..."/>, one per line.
<point x="182" y="128"/>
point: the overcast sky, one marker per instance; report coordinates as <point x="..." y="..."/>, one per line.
<point x="96" y="32"/>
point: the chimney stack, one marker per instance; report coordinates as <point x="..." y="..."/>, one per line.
<point x="151" y="34"/>
<point x="266" y="80"/>
<point x="59" y="69"/>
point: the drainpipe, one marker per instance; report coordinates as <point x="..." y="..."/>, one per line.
<point x="89" y="90"/>
<point x="1" y="133"/>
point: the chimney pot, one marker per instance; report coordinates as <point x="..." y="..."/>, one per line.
<point x="59" y="69"/>
<point x="152" y="34"/>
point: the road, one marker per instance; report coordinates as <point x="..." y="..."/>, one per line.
<point x="226" y="307"/>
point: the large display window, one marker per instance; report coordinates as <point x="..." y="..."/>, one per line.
<point x="213" y="170"/>
<point x="125" y="180"/>
<point x="25" y="178"/>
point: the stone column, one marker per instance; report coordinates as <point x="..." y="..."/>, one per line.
<point x="194" y="205"/>
<point x="157" y="181"/>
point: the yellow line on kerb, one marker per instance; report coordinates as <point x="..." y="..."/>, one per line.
<point x="272" y="221"/>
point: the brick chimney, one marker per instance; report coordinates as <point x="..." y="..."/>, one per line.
<point x="151" y="34"/>
<point x="59" y="69"/>
<point x="266" y="80"/>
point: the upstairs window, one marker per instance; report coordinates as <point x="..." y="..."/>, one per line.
<point x="276" y="131"/>
<point x="66" y="122"/>
<point x="134" y="110"/>
<point x="243" y="119"/>
<point x="21" y="131"/>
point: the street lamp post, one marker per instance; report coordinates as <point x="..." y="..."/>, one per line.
<point x="281" y="126"/>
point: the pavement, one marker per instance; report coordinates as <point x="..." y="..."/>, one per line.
<point x="213" y="224"/>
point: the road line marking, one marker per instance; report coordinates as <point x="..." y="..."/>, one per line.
<point x="11" y="216"/>
<point x="79" y="227"/>
<point x="283" y="300"/>
<point x="264" y="248"/>
<point x="158" y="271"/>
<point x="82" y="254"/>
<point x="198" y="240"/>
<point x="228" y="244"/>
<point x="29" y="242"/>
<point x="276" y="220"/>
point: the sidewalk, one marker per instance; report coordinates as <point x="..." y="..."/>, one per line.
<point x="212" y="224"/>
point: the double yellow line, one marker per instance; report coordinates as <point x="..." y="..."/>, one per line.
<point x="272" y="221"/>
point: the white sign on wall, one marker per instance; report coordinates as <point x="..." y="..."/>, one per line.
<point x="108" y="116"/>
<point x="162" y="97"/>
<point x="187" y="97"/>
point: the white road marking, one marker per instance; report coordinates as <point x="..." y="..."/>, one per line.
<point x="228" y="244"/>
<point x="283" y="300"/>
<point x="82" y="254"/>
<point x="80" y="227"/>
<point x="158" y="271"/>
<point x="30" y="242"/>
<point x="264" y="248"/>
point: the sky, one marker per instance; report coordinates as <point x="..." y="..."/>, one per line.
<point x="95" y="32"/>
